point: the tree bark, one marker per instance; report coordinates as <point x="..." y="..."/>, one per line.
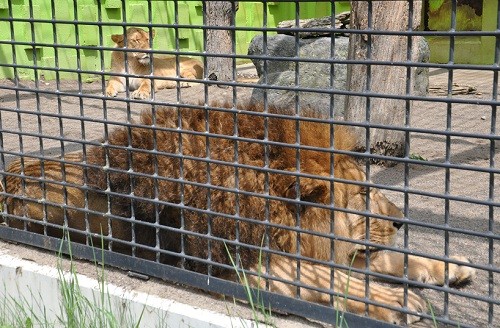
<point x="390" y="80"/>
<point x="220" y="13"/>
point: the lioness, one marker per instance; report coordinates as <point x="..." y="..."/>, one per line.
<point x="233" y="190"/>
<point x="139" y="63"/>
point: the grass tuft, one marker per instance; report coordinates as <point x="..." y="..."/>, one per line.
<point x="260" y="313"/>
<point x="76" y="309"/>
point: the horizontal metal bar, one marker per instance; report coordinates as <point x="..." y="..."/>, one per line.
<point x="178" y="52"/>
<point x="333" y="30"/>
<point x="365" y="94"/>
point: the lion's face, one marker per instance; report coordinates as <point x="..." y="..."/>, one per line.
<point x="351" y="223"/>
<point x="381" y="231"/>
<point x="137" y="39"/>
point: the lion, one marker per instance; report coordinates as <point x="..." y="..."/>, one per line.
<point x="139" y="63"/>
<point x="211" y="197"/>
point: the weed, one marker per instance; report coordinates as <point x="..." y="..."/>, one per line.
<point x="76" y="310"/>
<point x="418" y="157"/>
<point x="256" y="301"/>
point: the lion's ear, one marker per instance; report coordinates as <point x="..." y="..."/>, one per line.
<point x="117" y="38"/>
<point x="311" y="190"/>
<point x="153" y="33"/>
<point x="363" y="190"/>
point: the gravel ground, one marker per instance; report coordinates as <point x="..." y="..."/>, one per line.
<point x="464" y="151"/>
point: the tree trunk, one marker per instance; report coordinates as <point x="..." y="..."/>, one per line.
<point x="390" y="80"/>
<point x="220" y="13"/>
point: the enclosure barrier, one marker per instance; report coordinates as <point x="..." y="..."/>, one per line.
<point x="227" y="194"/>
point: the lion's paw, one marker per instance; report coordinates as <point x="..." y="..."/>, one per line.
<point x="460" y="274"/>
<point x="185" y="84"/>
<point x="434" y="271"/>
<point x="140" y="94"/>
<point x="415" y="304"/>
<point x="110" y="92"/>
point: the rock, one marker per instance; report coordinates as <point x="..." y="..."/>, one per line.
<point x="311" y="74"/>
<point x="277" y="46"/>
<point x="315" y="75"/>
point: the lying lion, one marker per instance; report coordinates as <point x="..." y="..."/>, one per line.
<point x="139" y="63"/>
<point x="216" y="189"/>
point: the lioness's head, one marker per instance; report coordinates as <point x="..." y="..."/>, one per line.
<point x="137" y="38"/>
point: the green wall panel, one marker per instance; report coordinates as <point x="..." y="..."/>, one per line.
<point x="136" y="11"/>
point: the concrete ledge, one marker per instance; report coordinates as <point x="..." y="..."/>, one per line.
<point x="37" y="288"/>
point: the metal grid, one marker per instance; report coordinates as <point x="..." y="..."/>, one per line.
<point x="436" y="222"/>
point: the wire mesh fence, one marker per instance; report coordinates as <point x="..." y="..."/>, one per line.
<point x="343" y="163"/>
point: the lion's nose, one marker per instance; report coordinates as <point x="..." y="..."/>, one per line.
<point x="397" y="225"/>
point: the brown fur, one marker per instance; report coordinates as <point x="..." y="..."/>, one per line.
<point x="139" y="63"/>
<point x="210" y="186"/>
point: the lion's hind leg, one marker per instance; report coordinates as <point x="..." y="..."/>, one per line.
<point x="188" y="73"/>
<point x="348" y="291"/>
<point x="191" y="69"/>
<point x="47" y="196"/>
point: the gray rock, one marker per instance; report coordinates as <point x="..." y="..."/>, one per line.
<point x="310" y="74"/>
<point x="315" y="75"/>
<point x="277" y="46"/>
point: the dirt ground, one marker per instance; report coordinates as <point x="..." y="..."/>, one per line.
<point x="43" y="130"/>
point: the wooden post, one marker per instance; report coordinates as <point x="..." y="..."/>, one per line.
<point x="385" y="79"/>
<point x="220" y="13"/>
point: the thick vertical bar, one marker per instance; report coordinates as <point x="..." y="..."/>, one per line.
<point x="406" y="210"/>
<point x="79" y="75"/>
<point x="209" y="190"/>
<point x="60" y="113"/>
<point x="129" y="131"/>
<point x="177" y="48"/>
<point x="105" y="126"/>
<point x="265" y="104"/>
<point x="207" y="151"/>
<point x="157" y="208"/>
<point x="151" y="56"/>
<point x="232" y="32"/>
<point x="491" y="187"/>
<point x="332" y="152"/>
<point x="125" y="55"/>
<point x="448" y="155"/>
<point x="18" y="102"/>
<point x="39" y="111"/>
<point x="182" y="227"/>
<point x="102" y="66"/>
<point x="206" y="85"/>
<point x="297" y="141"/>
<point x="367" y="145"/>
<point x="234" y="8"/>
<point x="105" y="131"/>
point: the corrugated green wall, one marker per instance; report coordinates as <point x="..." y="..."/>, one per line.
<point x="467" y="49"/>
<point x="137" y="11"/>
